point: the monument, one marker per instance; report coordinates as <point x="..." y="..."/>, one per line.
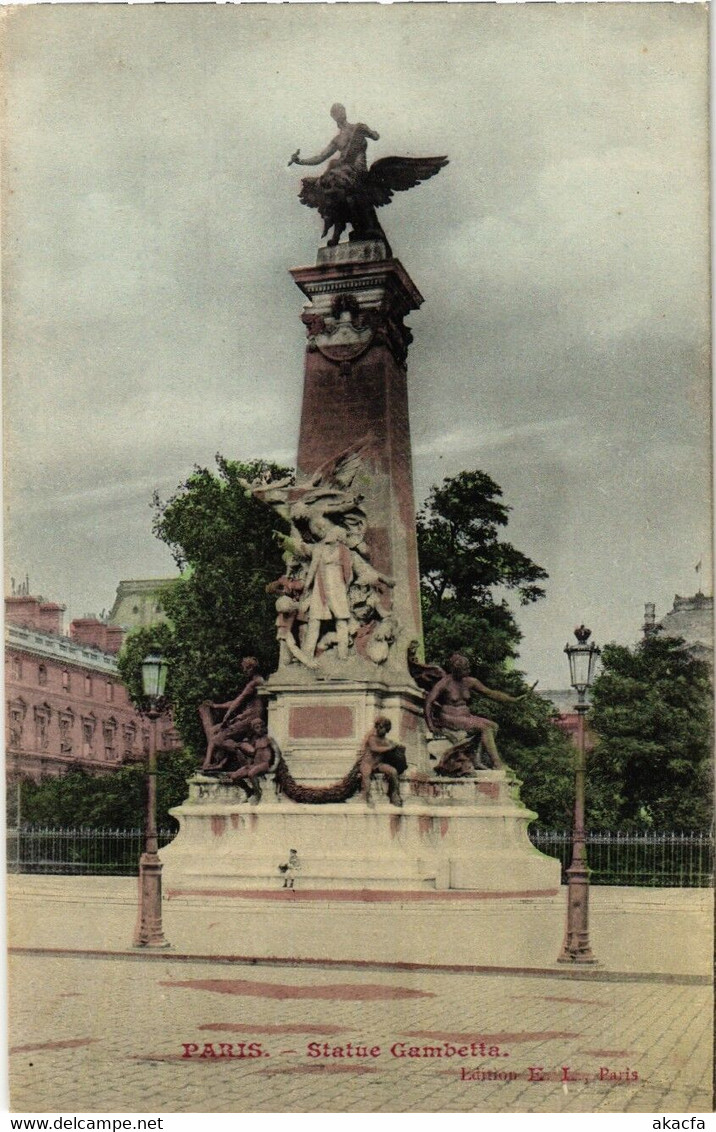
<point x="376" y="773"/>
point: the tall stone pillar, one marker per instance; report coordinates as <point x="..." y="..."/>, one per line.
<point x="355" y="408"/>
<point x="356" y="389"/>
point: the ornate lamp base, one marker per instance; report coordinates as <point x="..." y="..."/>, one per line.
<point x="149" y="927"/>
<point x="576" y="947"/>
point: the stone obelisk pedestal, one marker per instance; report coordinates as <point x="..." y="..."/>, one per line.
<point x="355" y="395"/>
<point x="451" y="835"/>
<point x="355" y="390"/>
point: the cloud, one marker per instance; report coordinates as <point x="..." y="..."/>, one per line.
<point x="475" y="439"/>
<point x="150" y="219"/>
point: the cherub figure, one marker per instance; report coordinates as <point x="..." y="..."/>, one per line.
<point x="262" y="753"/>
<point x="379" y="755"/>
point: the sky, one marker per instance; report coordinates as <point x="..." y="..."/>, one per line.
<point x="150" y="219"/>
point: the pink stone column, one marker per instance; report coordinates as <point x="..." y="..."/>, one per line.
<point x="355" y="388"/>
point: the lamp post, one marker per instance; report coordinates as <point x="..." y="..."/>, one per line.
<point x="149" y="920"/>
<point x="576" y="949"/>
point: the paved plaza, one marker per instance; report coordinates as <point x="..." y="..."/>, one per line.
<point x="97" y="1027"/>
<point x="106" y="1034"/>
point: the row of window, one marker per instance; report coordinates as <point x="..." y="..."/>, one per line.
<point x="87" y="740"/>
<point x="17" y="668"/>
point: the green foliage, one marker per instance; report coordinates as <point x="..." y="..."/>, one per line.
<point x="108" y="801"/>
<point x="463" y="563"/>
<point x="652" y="713"/>
<point x="538" y="751"/>
<point x="139" y="644"/>
<point x="226" y="545"/>
<point x="460" y="553"/>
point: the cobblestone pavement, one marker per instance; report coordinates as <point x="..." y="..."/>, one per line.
<point x="105" y="1035"/>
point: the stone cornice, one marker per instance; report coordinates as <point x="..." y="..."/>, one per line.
<point x="381" y="293"/>
<point x="61" y="649"/>
<point x="388" y="275"/>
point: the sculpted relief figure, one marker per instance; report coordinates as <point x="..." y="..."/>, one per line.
<point x="226" y="723"/>
<point x="332" y="570"/>
<point x="272" y="492"/>
<point x="448" y="713"/>
<point x="348" y="192"/>
<point x="379" y="755"/>
<point x="288" y="592"/>
<point x="328" y="493"/>
<point x="327" y="580"/>
<point x="260" y="754"/>
<point x="331" y="598"/>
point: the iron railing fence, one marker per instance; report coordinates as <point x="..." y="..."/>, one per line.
<point x="82" y="851"/>
<point x="643" y="858"/>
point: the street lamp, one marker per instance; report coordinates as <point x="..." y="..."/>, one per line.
<point x="576" y="949"/>
<point x="149" y="922"/>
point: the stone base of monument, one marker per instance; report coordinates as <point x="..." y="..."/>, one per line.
<point x="466" y="835"/>
<point x="320" y="727"/>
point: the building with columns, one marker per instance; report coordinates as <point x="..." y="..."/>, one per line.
<point x="137" y="603"/>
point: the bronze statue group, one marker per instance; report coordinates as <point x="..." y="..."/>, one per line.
<point x="239" y="748"/>
<point x="331" y="603"/>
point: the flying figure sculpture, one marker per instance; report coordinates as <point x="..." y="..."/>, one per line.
<point x="348" y="192"/>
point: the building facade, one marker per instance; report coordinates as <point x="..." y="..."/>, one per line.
<point x="564" y="700"/>
<point x="137" y="603"/>
<point x="66" y="706"/>
<point x="691" y="618"/>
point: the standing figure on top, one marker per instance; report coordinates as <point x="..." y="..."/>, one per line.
<point x="348" y="192"/>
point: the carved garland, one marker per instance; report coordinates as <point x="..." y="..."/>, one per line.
<point x="341" y="791"/>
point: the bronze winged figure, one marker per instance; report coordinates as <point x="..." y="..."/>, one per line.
<point x="348" y="192"/>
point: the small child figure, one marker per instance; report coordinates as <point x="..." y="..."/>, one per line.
<point x="379" y="755"/>
<point x="261" y="752"/>
<point x="290" y="869"/>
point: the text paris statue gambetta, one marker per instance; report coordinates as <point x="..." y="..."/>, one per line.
<point x="348" y="192"/>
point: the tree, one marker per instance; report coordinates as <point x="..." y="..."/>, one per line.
<point x="463" y="563"/>
<point x="225" y="544"/>
<point x="652" y="713"/>
<point x="138" y="644"/>
<point x="539" y="752"/>
<point x="107" y="801"/>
